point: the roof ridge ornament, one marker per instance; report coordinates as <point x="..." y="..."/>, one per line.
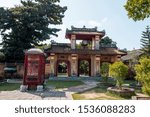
<point x="84" y="29"/>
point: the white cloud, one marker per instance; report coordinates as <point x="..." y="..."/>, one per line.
<point x="82" y="22"/>
<point x="104" y="20"/>
<point x="9" y="3"/>
<point x="93" y="23"/>
<point x="61" y="35"/>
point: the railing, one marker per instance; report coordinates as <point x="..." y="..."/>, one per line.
<point x="83" y="48"/>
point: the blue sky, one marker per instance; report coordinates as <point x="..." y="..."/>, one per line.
<point x="108" y="15"/>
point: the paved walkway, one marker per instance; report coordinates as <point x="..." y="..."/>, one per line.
<point x="58" y="94"/>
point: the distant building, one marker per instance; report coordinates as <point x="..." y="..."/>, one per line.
<point x="132" y="57"/>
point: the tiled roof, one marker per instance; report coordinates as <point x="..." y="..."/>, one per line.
<point x="67" y="50"/>
<point x="84" y="30"/>
<point x="132" y="54"/>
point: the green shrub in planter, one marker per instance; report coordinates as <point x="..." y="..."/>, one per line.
<point x="143" y="74"/>
<point x="118" y="71"/>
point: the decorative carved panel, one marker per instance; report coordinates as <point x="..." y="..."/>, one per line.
<point x="84" y="56"/>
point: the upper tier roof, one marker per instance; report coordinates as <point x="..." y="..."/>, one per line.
<point x="84" y="33"/>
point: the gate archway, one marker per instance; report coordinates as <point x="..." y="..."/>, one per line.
<point x="84" y="67"/>
<point x="63" y="68"/>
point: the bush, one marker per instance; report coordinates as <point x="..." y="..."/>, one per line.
<point x="143" y="74"/>
<point x="105" y="71"/>
<point x="131" y="74"/>
<point x="118" y="70"/>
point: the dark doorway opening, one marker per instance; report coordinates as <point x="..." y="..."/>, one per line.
<point x="63" y="69"/>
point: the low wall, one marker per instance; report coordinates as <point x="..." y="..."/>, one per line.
<point x="20" y="70"/>
<point x="19" y="67"/>
<point x="2" y="66"/>
<point x="47" y="70"/>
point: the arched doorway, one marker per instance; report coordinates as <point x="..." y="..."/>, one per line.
<point x="84" y="68"/>
<point x="63" y="68"/>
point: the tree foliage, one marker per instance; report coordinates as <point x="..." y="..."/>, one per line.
<point x="62" y="67"/>
<point x="143" y="74"/>
<point x="145" y="41"/>
<point x="104" y="70"/>
<point x="118" y="70"/>
<point x="84" y="67"/>
<point x="106" y="41"/>
<point x="138" y="9"/>
<point x="24" y="26"/>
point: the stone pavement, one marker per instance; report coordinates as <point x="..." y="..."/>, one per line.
<point x="88" y="84"/>
<point x="56" y="94"/>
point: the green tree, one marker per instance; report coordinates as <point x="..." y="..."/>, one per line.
<point x="138" y="9"/>
<point x="24" y="26"/>
<point x="118" y="70"/>
<point x="145" y="41"/>
<point x="104" y="70"/>
<point x="143" y="74"/>
<point x="106" y="41"/>
<point x="84" y="67"/>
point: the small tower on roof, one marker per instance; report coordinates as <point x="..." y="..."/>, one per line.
<point x="87" y="34"/>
